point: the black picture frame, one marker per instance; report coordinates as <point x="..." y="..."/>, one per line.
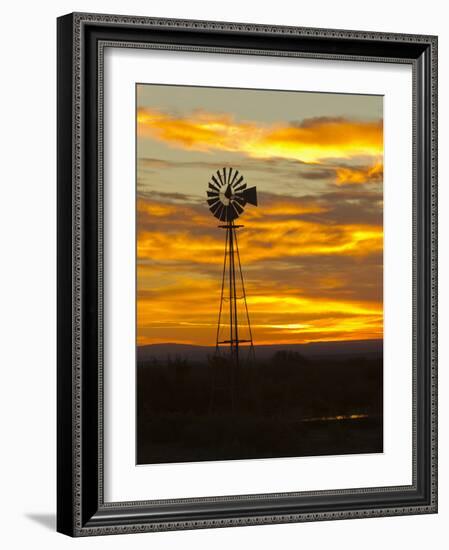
<point x="81" y="509"/>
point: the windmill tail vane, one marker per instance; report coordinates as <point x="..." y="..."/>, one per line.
<point x="227" y="197"/>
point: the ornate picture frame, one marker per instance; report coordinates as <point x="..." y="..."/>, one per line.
<point x="81" y="508"/>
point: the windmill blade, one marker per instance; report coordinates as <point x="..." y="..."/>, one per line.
<point x="239" y="184"/>
<point x="224" y="176"/>
<point x="240" y="193"/>
<point x="250" y="195"/>
<point x="237" y="207"/>
<point x="236" y="173"/>
<point x="217" y="184"/>
<point x="240" y="189"/>
<point x="240" y="199"/>
<point x="224" y="214"/>
<point x="216" y="208"/>
<point x="220" y="178"/>
<point x="221" y="212"/>
<point x="230" y="175"/>
<point x="213" y="188"/>
<point x="211" y="202"/>
<point x="232" y="215"/>
<point x="213" y="194"/>
<point x="233" y="209"/>
<point x="233" y="212"/>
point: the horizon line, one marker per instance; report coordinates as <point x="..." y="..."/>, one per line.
<point x="266" y="345"/>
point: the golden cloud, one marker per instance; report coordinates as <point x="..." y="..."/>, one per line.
<point x="179" y="269"/>
<point x="310" y="141"/>
<point x="263" y="241"/>
<point x="184" y="310"/>
<point x="351" y="175"/>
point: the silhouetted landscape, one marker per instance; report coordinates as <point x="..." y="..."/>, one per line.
<point x="292" y="400"/>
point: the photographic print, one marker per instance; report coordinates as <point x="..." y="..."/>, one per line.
<point x="247" y="274"/>
<point x="259" y="273"/>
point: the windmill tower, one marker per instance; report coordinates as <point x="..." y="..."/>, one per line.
<point x="227" y="197"/>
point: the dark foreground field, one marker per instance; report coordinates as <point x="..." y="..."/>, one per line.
<point x="197" y="407"/>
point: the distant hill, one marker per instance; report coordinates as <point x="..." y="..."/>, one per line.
<point x="340" y="350"/>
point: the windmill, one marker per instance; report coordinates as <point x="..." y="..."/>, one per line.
<point x="227" y="197"/>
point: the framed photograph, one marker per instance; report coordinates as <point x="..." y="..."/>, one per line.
<point x="247" y="283"/>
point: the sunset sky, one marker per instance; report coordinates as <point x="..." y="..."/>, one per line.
<point x="311" y="251"/>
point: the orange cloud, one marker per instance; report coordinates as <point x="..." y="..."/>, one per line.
<point x="351" y="175"/>
<point x="263" y="241"/>
<point x="310" y="141"/>
<point x="285" y="208"/>
<point x="180" y="258"/>
<point x="184" y="309"/>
